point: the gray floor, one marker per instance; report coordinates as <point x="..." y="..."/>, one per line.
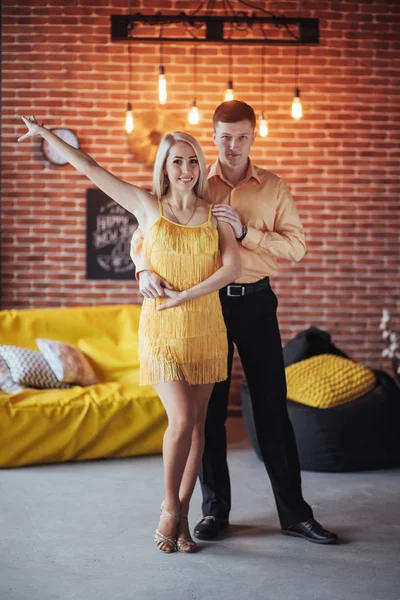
<point x="83" y="531"/>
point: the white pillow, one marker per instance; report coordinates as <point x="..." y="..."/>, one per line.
<point x="67" y="362"/>
<point x="6" y="381"/>
<point x="29" y="368"/>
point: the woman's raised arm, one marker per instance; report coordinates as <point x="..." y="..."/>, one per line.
<point x="131" y="197"/>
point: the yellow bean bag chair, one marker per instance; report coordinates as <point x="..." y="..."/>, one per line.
<point x="327" y="380"/>
<point x="115" y="417"/>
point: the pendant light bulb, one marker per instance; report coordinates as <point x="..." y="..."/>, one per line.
<point x="129" y="123"/>
<point x="162" y="85"/>
<point x="193" y="116"/>
<point x="297" y="109"/>
<point x="229" y="91"/>
<point x="263" y="125"/>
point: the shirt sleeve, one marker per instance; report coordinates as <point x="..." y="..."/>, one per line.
<point x="287" y="240"/>
<point x="137" y="253"/>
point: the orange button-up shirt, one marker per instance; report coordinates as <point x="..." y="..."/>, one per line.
<point x="264" y="203"/>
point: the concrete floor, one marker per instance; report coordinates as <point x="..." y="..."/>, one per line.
<point x="83" y="531"/>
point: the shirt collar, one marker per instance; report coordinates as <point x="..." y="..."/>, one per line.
<point x="216" y="171"/>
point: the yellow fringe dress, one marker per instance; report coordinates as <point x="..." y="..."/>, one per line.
<point x="186" y="342"/>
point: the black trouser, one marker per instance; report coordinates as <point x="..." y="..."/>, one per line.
<point x="253" y="327"/>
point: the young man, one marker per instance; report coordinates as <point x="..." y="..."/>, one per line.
<point x="260" y="209"/>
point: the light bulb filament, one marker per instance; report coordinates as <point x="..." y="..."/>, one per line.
<point x="162" y="85"/>
<point x="229" y="95"/>
<point x="297" y="108"/>
<point x="129" y="123"/>
<point x="193" y="116"/>
<point x="263" y="126"/>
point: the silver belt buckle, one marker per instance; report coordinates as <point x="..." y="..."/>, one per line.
<point x="231" y="287"/>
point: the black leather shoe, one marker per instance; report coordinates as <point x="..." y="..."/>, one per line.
<point x="312" y="531"/>
<point x="210" y="527"/>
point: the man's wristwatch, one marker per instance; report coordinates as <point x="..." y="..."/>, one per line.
<point x="244" y="233"/>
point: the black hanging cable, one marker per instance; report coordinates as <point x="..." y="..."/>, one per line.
<point x="161" y="57"/>
<point x="161" y="69"/>
<point x="230" y="61"/>
<point x="188" y="28"/>
<point x="198" y="8"/>
<point x="129" y="63"/>
<point x="271" y="14"/>
<point x="262" y="77"/>
<point x="195" y="72"/>
<point x="263" y="124"/>
<point x="210" y="7"/>
<point x="194" y="113"/>
<point x="267" y="12"/>
<point x="129" y="104"/>
<point x="297" y="110"/>
<point x="231" y="10"/>
<point x="296" y="63"/>
<point x="230" y="67"/>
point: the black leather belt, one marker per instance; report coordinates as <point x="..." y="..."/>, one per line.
<point x="237" y="290"/>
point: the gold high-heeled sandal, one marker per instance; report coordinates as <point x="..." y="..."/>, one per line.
<point x="160" y="539"/>
<point x="182" y="542"/>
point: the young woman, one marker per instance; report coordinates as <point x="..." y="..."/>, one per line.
<point x="182" y="336"/>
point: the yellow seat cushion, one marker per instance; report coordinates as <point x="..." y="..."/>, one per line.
<point x="115" y="417"/>
<point x="328" y="380"/>
<point x="104" y="420"/>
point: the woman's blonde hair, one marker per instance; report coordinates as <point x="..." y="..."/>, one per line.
<point x="160" y="179"/>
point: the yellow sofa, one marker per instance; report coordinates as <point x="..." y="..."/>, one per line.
<point x="113" y="418"/>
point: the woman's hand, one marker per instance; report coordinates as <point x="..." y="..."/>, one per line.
<point x="33" y="128"/>
<point x="173" y="297"/>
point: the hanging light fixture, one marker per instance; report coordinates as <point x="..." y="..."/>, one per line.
<point x="162" y="82"/>
<point x="193" y="116"/>
<point x="297" y="108"/>
<point x="263" y="123"/>
<point x="229" y="94"/>
<point x="129" y="122"/>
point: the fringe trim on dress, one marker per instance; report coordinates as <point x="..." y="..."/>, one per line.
<point x="187" y="342"/>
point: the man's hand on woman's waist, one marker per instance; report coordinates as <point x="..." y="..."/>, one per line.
<point x="225" y="212"/>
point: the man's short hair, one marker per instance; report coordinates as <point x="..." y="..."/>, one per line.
<point x="234" y="111"/>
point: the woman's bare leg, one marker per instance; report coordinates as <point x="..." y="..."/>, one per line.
<point x="177" y="398"/>
<point x="200" y="395"/>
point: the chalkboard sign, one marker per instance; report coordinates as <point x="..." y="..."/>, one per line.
<point x="109" y="229"/>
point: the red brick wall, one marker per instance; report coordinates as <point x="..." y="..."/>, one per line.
<point x="340" y="160"/>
